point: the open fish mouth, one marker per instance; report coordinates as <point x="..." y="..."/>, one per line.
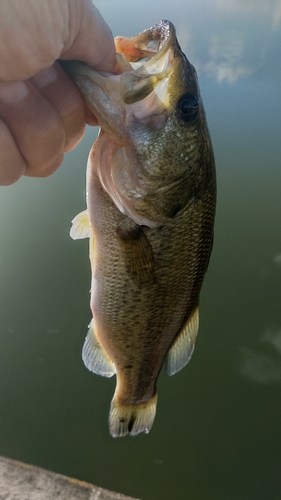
<point x="152" y="57"/>
<point x="146" y="63"/>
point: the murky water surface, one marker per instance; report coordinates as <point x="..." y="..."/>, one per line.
<point x="217" y="433"/>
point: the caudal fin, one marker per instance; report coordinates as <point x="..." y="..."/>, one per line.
<point x="131" y="419"/>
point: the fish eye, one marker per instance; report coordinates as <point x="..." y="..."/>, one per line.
<point x="188" y="106"/>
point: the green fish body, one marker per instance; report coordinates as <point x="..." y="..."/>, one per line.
<point x="151" y="193"/>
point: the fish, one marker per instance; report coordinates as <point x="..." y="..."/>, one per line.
<point x="151" y="196"/>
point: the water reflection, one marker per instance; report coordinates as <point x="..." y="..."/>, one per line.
<point x="268" y="11"/>
<point x="226" y="54"/>
<point x="260" y="366"/>
<point x="277" y="259"/>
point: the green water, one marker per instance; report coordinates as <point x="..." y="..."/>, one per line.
<point x="217" y="433"/>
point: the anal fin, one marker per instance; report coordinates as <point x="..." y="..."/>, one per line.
<point x="94" y="356"/>
<point x="183" y="347"/>
<point x="81" y="227"/>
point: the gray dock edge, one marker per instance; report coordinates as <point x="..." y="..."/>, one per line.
<point x="19" y="481"/>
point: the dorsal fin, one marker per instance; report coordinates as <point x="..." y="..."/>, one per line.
<point x="183" y="347"/>
<point x="94" y="356"/>
<point x="81" y="227"/>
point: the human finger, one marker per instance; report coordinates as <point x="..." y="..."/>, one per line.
<point x="13" y="164"/>
<point x="59" y="90"/>
<point x="34" y="37"/>
<point x="35" y="125"/>
<point x="90" y="39"/>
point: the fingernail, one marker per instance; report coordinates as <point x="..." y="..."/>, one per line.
<point x="45" y="77"/>
<point x="13" y="92"/>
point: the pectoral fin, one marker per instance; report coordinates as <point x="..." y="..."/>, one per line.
<point x="94" y="357"/>
<point x="182" y="349"/>
<point x="81" y="227"/>
<point x="137" y="253"/>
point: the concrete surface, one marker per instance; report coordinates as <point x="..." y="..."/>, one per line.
<point x="20" y="481"/>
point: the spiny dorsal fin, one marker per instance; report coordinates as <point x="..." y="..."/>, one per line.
<point x="94" y="357"/>
<point x="131" y="419"/>
<point x="182" y="349"/>
<point x="81" y="227"/>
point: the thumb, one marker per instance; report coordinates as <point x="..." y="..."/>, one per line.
<point x="90" y="39"/>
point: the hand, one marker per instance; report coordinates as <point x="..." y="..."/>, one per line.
<point x="42" y="113"/>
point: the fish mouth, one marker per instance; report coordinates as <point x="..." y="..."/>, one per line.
<point x="146" y="63"/>
<point x="152" y="60"/>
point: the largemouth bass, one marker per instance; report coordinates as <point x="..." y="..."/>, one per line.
<point x="151" y="193"/>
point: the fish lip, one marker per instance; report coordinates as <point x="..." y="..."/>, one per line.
<point x="139" y="78"/>
<point x="163" y="32"/>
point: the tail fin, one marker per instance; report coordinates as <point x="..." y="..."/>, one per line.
<point x="131" y="419"/>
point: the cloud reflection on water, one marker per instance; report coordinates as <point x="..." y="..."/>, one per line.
<point x="267" y="10"/>
<point x="226" y="58"/>
<point x="277" y="258"/>
<point x="260" y="366"/>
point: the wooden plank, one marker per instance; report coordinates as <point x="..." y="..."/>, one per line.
<point x="19" y="481"/>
